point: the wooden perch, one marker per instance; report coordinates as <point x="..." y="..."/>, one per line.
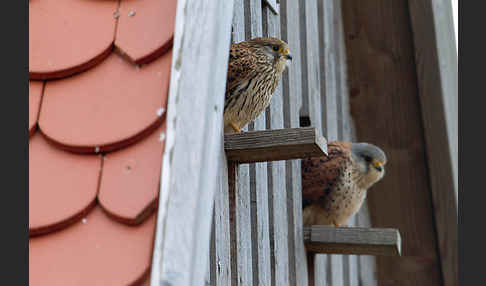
<point x="352" y="240"/>
<point x="274" y="145"/>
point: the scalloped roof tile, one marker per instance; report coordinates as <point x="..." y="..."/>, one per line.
<point x="98" y="91"/>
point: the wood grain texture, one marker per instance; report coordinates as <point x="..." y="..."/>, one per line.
<point x="437" y="70"/>
<point x="220" y="267"/>
<point x="242" y="257"/>
<point x="386" y="110"/>
<point x="258" y="174"/>
<point x="277" y="190"/>
<point x="186" y="198"/>
<point x="274" y="145"/>
<point x="352" y="240"/>
<point x="309" y="45"/>
<point x="272" y="4"/>
<point x="289" y="20"/>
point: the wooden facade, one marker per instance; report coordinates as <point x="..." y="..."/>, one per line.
<point x="361" y="71"/>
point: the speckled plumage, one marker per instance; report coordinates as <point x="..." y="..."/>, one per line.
<point x="254" y="70"/>
<point x="334" y="187"/>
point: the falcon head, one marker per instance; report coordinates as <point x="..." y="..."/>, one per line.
<point x="370" y="161"/>
<point x="276" y="51"/>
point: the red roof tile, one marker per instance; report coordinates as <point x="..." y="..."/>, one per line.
<point x="92" y="216"/>
<point x="94" y="251"/>
<point x="69" y="36"/>
<point x="145" y="28"/>
<point x="106" y="106"/>
<point x="35" y="92"/>
<point x="130" y="182"/>
<point x="63" y="185"/>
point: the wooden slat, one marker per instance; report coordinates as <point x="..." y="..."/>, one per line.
<point x="311" y="87"/>
<point x="272" y="4"/>
<point x="258" y="175"/>
<point x="352" y="240"/>
<point x="289" y="10"/>
<point x="366" y="263"/>
<point x="277" y="190"/>
<point x="221" y="246"/>
<point x="274" y="145"/>
<point x="186" y="198"/>
<point x="437" y="74"/>
<point x="386" y="109"/>
<point x="242" y="259"/>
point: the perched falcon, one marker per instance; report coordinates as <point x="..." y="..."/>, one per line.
<point x="334" y="187"/>
<point x="254" y="70"/>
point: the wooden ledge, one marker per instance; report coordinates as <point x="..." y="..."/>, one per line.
<point x="274" y="145"/>
<point x="352" y="240"/>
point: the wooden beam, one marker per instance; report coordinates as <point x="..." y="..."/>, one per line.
<point x="190" y="166"/>
<point x="437" y="75"/>
<point x="352" y="240"/>
<point x="274" y="145"/>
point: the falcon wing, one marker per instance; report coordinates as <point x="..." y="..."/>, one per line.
<point x="320" y="174"/>
<point x="241" y="67"/>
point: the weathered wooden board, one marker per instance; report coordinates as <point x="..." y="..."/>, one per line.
<point x="277" y="190"/>
<point x="241" y="247"/>
<point x="292" y="94"/>
<point x="194" y="143"/>
<point x="352" y="240"/>
<point x="437" y="71"/>
<point x="275" y="145"/>
<point x="309" y="45"/>
<point x="220" y="251"/>
<point x="258" y="174"/>
<point x="386" y="110"/>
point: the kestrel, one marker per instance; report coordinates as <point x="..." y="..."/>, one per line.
<point x="254" y="70"/>
<point x="334" y="187"/>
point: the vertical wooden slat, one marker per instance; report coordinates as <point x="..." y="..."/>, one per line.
<point x="277" y="191"/>
<point x="437" y="74"/>
<point x="258" y="173"/>
<point x="242" y="248"/>
<point x="335" y="118"/>
<point x="311" y="89"/>
<point x="220" y="244"/>
<point x="186" y="198"/>
<point x="366" y="263"/>
<point x="290" y="32"/>
<point x="386" y="108"/>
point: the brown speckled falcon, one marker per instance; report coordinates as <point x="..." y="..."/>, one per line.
<point x="254" y="70"/>
<point x="334" y="187"/>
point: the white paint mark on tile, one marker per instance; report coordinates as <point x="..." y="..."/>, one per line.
<point x="160" y="111"/>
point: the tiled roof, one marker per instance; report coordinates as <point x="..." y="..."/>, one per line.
<point x="99" y="79"/>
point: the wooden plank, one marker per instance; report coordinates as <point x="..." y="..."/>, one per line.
<point x="366" y="263"/>
<point x="274" y="145"/>
<point x="352" y="240"/>
<point x="242" y="259"/>
<point x="292" y="95"/>
<point x="311" y="90"/>
<point x="385" y="106"/>
<point x="437" y="74"/>
<point x="277" y="189"/>
<point x="258" y="175"/>
<point x="221" y="243"/>
<point x="186" y="198"/>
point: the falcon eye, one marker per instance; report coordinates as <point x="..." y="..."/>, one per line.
<point x="368" y="159"/>
<point x="275" y="48"/>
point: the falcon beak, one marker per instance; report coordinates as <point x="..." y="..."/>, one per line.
<point x="378" y="165"/>
<point x="287" y="54"/>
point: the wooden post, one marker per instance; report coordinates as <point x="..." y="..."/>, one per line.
<point x="194" y="143"/>
<point x="437" y="73"/>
